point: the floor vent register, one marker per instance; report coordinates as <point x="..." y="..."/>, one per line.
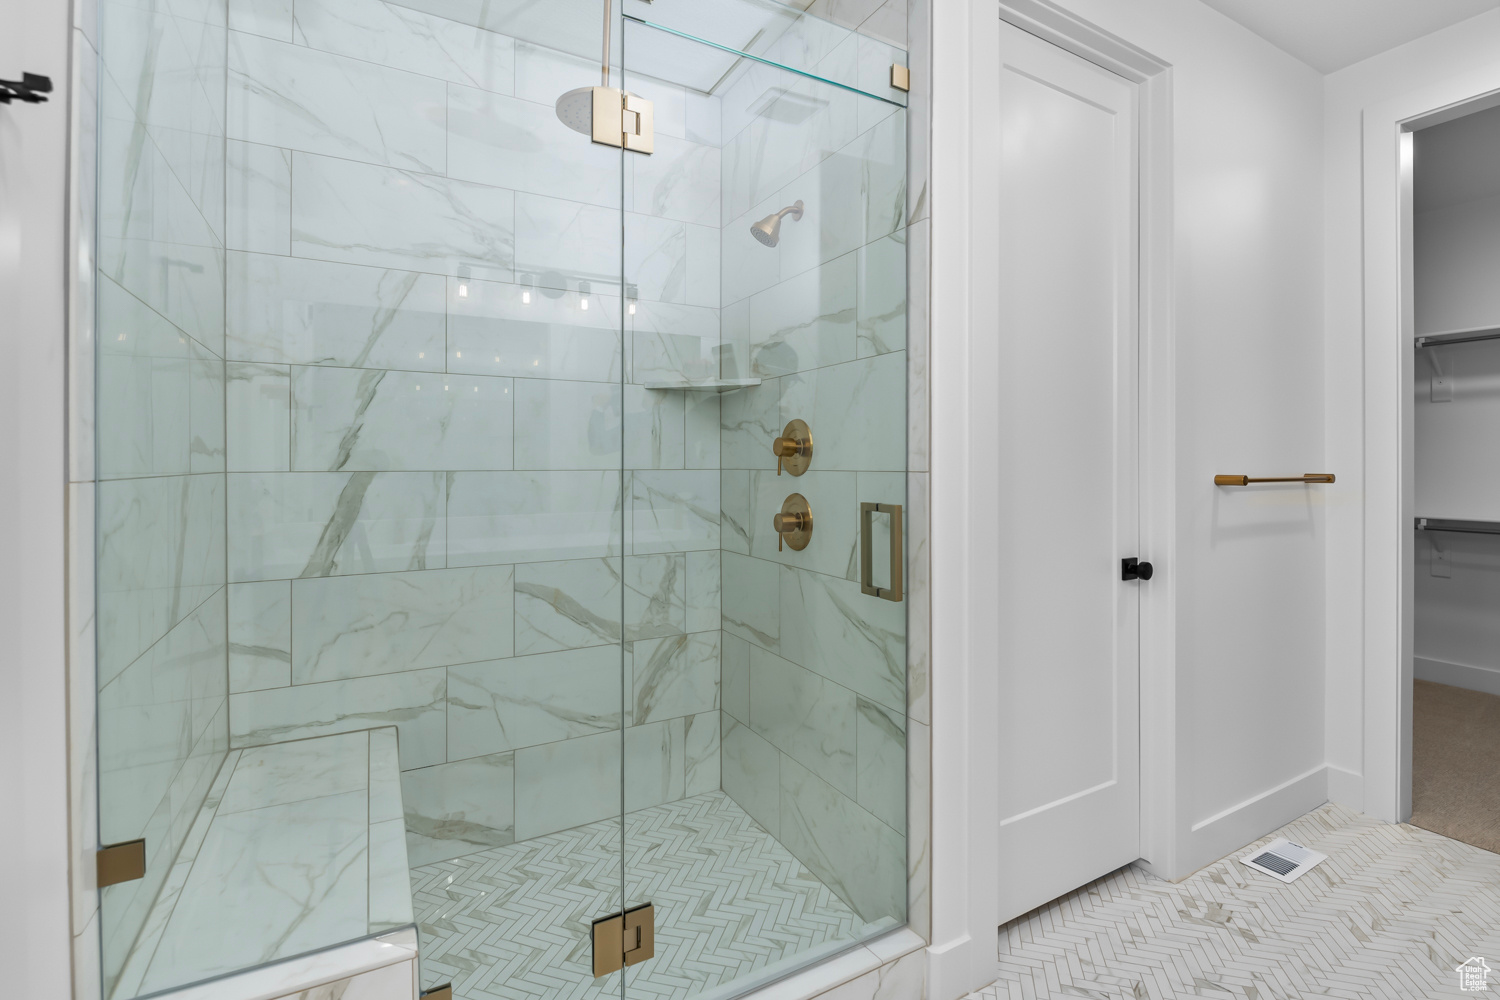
<point x="1283" y="860"/>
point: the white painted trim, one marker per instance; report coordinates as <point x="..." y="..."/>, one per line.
<point x="964" y="860"/>
<point x="1387" y="635"/>
<point x="35" y="938"/>
<point x="1245" y="822"/>
<point x="1459" y="675"/>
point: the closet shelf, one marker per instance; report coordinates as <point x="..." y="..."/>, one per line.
<point x="1453" y="524"/>
<point x="706" y="385"/>
<point x="1458" y="336"/>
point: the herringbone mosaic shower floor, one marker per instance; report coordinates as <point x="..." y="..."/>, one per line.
<point x="512" y="922"/>
<point x="1392" y="913"/>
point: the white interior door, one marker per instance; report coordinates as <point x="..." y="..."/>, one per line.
<point x="1068" y="658"/>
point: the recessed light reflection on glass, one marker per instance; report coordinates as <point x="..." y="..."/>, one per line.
<point x="583" y="295"/>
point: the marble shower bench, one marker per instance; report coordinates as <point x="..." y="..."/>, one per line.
<point x="295" y="869"/>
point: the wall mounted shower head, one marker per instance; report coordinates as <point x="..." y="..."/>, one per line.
<point x="768" y="230"/>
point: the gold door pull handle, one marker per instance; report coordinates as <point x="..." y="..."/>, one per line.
<point x="794" y="448"/>
<point x="866" y="570"/>
<point x="794" y="524"/>
<point x="1306" y="477"/>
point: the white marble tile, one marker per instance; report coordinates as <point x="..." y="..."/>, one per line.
<point x="851" y="851"/>
<point x="856" y="411"/>
<point x="679" y="180"/>
<point x="829" y="626"/>
<point x="182" y="283"/>
<point x="702" y="119"/>
<point x="702" y="417"/>
<point x="883" y="177"/>
<point x="882" y="296"/>
<point x="346" y="419"/>
<point x="589" y="768"/>
<point x="703" y="572"/>
<point x="459" y="808"/>
<point x="571" y="425"/>
<point x="735" y="502"/>
<point x="918" y="598"/>
<point x="919" y="338"/>
<point x="703" y="266"/>
<point x="702" y="737"/>
<point x="285" y="310"/>
<point x="385" y="775"/>
<point x="747" y="266"/>
<point x="528" y="331"/>
<point x="888" y="23"/>
<point x="511" y="517"/>
<point x="657" y="595"/>
<point x="884" y="488"/>
<point x="751" y="421"/>
<point x="675" y="676"/>
<point x="521" y="145"/>
<point x="82" y="279"/>
<point x="919" y="828"/>
<point x="300" y="98"/>
<point x="654" y="428"/>
<point x="807" y="321"/>
<point x="656" y="257"/>
<point x="673" y="511"/>
<point x="567" y="605"/>
<point x="881" y="781"/>
<point x="804" y="716"/>
<point x="544" y="73"/>
<point x="296" y="772"/>
<point x="414" y="702"/>
<point x="397" y="36"/>
<point x="669" y="100"/>
<point x="751" y="606"/>
<point x="751" y="774"/>
<point x="392" y="982"/>
<point x="310" y="524"/>
<point x="835" y="509"/>
<point x="504" y="705"/>
<point x="258" y="198"/>
<point x="359" y="626"/>
<point x="735" y="677"/>
<point x="260" y="635"/>
<point x="919" y="101"/>
<point x="361" y="213"/>
<point x="258" y="402"/>
<point x="390" y="879"/>
<point x="161" y="554"/>
<point x="271" y="18"/>
<point x="669" y="341"/>
<point x="83" y="760"/>
<point x="655" y="763"/>
<point x="834" y="203"/>
<point x="294" y="874"/>
<point x="559" y="243"/>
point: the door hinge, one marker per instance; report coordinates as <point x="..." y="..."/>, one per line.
<point x="622" y="939"/>
<point x="622" y="119"/>
<point x="116" y="863"/>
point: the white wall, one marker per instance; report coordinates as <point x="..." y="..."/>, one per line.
<point x="1429" y="72"/>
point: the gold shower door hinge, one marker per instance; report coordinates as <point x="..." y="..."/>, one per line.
<point x="116" y="863"/>
<point x="624" y="120"/>
<point x="622" y="939"/>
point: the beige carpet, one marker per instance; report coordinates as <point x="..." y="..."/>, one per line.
<point x="1455" y="767"/>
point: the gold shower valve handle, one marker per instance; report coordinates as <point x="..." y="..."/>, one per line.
<point x="794" y="524"/>
<point x="793" y="450"/>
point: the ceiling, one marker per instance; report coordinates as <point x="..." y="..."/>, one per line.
<point x="1332" y="34"/>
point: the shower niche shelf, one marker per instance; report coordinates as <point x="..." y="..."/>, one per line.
<point x="720" y="385"/>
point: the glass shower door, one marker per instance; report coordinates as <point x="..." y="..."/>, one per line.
<point x="765" y="458"/>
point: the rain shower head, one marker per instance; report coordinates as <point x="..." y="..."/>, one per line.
<point x="575" y="109"/>
<point x="768" y="230"/>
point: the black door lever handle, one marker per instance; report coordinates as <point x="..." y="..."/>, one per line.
<point x="1133" y="569"/>
<point x="28" y="89"/>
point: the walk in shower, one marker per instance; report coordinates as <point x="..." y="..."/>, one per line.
<point x="497" y="529"/>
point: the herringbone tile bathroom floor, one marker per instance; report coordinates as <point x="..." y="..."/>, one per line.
<point x="512" y="923"/>
<point x="1391" y="913"/>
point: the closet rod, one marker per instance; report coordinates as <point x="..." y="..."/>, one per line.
<point x="1449" y="524"/>
<point x="1459" y="337"/>
<point x="1306" y="477"/>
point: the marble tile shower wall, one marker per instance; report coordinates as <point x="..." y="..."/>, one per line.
<point x="814" y="671"/>
<point x="428" y="524"/>
<point x="158" y="440"/>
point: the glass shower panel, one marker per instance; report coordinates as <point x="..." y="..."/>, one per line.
<point x="765" y="279"/>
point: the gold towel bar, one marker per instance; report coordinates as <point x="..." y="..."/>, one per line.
<point x="1306" y="477"/>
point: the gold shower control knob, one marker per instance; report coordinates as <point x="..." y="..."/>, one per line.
<point x="793" y="450"/>
<point x="794" y="524"/>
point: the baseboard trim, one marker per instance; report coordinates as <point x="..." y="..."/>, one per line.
<point x="1228" y="831"/>
<point x="1346" y="788"/>
<point x="1459" y="675"/>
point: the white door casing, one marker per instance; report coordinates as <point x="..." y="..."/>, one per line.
<point x="1066" y="447"/>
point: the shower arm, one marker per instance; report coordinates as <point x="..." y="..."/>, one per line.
<point x="608" y="10"/>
